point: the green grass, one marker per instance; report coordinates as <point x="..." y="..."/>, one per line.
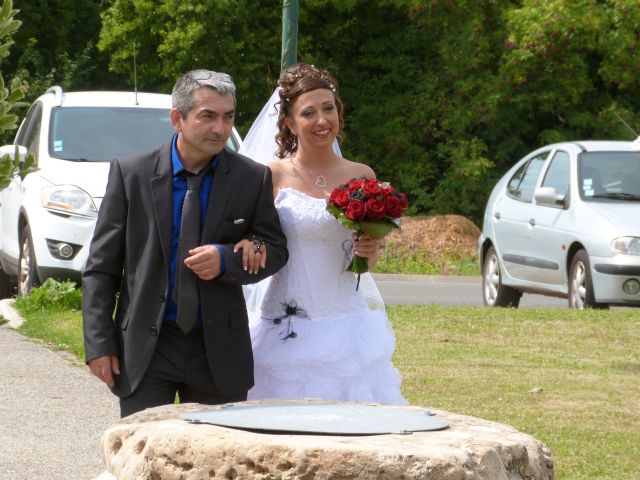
<point x="569" y="378"/>
<point x="399" y="259"/>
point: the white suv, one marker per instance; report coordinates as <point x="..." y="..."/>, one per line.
<point x="47" y="219"/>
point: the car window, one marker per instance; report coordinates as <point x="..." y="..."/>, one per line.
<point x="558" y="173"/>
<point x="100" y="134"/>
<point x="31" y="122"/>
<point x="606" y="176"/>
<point x="524" y="181"/>
<point x="32" y="139"/>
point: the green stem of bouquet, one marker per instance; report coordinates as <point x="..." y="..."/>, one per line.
<point x="358" y="265"/>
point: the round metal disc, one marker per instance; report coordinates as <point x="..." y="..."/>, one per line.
<point x="321" y="418"/>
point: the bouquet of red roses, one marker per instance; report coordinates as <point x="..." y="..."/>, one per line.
<point x="367" y="206"/>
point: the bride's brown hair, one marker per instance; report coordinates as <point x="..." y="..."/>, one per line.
<point x="298" y="79"/>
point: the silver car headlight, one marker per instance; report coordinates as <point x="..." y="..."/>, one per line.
<point x="68" y="199"/>
<point x="628" y="245"/>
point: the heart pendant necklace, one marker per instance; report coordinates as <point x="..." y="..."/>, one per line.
<point x="321" y="180"/>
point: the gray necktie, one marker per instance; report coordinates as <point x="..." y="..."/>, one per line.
<point x="185" y="292"/>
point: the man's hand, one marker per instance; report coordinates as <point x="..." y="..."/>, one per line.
<point x="254" y="255"/>
<point x="204" y="261"/>
<point x="105" y="368"/>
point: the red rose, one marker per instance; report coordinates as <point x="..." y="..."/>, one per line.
<point x="340" y="198"/>
<point x="375" y="208"/>
<point x="356" y="184"/>
<point x="393" y="206"/>
<point x="387" y="191"/>
<point x="371" y="188"/>
<point x="355" y="210"/>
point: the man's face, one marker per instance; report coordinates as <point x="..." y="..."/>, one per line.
<point x="205" y="129"/>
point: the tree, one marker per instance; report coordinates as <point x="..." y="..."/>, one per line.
<point x="57" y="45"/>
<point x="10" y="98"/>
<point x="441" y="96"/>
<point x="240" y="37"/>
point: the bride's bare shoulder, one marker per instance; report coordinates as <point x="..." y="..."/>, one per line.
<point x="357" y="170"/>
<point x="279" y="167"/>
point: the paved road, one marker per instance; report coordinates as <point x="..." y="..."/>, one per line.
<point x="441" y="290"/>
<point x="52" y="413"/>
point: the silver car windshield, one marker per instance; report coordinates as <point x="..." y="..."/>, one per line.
<point x="100" y="134"/>
<point x="609" y="176"/>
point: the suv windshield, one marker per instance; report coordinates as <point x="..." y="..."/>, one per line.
<point x="100" y="134"/>
<point x="609" y="176"/>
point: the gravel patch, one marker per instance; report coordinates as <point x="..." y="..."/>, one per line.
<point x="52" y="413"/>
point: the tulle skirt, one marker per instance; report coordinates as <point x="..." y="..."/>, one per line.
<point x="340" y="358"/>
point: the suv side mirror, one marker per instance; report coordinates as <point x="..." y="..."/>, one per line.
<point x="549" y="196"/>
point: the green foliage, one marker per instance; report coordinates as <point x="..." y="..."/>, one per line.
<point x="10" y="99"/>
<point x="240" y="37"/>
<point x="56" y="45"/>
<point x="9" y="96"/>
<point x="9" y="167"/>
<point x="441" y="97"/>
<point x="52" y="295"/>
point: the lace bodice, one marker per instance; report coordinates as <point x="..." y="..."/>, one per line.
<point x="315" y="276"/>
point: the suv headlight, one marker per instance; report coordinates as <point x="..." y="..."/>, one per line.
<point x="68" y="199"/>
<point x="628" y="245"/>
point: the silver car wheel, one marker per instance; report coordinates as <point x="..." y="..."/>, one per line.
<point x="491" y="280"/>
<point x="494" y="293"/>
<point x="579" y="289"/>
<point x="25" y="266"/>
<point x="581" y="294"/>
<point x="28" y="277"/>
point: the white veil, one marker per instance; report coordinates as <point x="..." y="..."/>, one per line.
<point x="260" y="145"/>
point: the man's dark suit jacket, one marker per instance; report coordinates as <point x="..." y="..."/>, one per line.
<point x="125" y="282"/>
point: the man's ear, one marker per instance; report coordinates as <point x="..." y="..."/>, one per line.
<point x="176" y="119"/>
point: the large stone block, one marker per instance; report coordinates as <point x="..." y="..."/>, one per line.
<point x="157" y="444"/>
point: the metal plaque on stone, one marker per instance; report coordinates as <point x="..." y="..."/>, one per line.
<point x="321" y="418"/>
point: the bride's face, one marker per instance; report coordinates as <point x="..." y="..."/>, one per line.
<point x="314" y="119"/>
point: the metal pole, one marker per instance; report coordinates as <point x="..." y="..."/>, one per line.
<point x="290" y="11"/>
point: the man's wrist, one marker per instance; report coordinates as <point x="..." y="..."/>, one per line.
<point x="223" y="264"/>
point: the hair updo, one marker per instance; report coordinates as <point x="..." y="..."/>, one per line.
<point x="298" y="79"/>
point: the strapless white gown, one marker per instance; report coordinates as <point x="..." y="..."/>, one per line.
<point x="336" y="347"/>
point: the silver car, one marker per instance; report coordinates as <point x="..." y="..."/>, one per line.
<point x="565" y="221"/>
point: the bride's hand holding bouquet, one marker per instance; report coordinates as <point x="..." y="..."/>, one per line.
<point x="367" y="206"/>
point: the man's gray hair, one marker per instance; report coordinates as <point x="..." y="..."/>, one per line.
<point x="183" y="90"/>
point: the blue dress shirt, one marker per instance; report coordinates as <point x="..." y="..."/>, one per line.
<point x="179" y="191"/>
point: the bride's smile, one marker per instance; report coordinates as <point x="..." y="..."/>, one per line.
<point x="314" y="119"/>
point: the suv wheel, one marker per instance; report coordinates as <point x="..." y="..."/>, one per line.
<point x="580" y="283"/>
<point x="28" y="275"/>
<point x="494" y="293"/>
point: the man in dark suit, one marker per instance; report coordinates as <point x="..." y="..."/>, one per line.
<point x="138" y="288"/>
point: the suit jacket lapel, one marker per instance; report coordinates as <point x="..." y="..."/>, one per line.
<point x="162" y="193"/>
<point x="218" y="197"/>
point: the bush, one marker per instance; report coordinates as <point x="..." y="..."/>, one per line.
<point x="52" y="295"/>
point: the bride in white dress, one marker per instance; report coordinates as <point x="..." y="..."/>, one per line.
<point x="314" y="335"/>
